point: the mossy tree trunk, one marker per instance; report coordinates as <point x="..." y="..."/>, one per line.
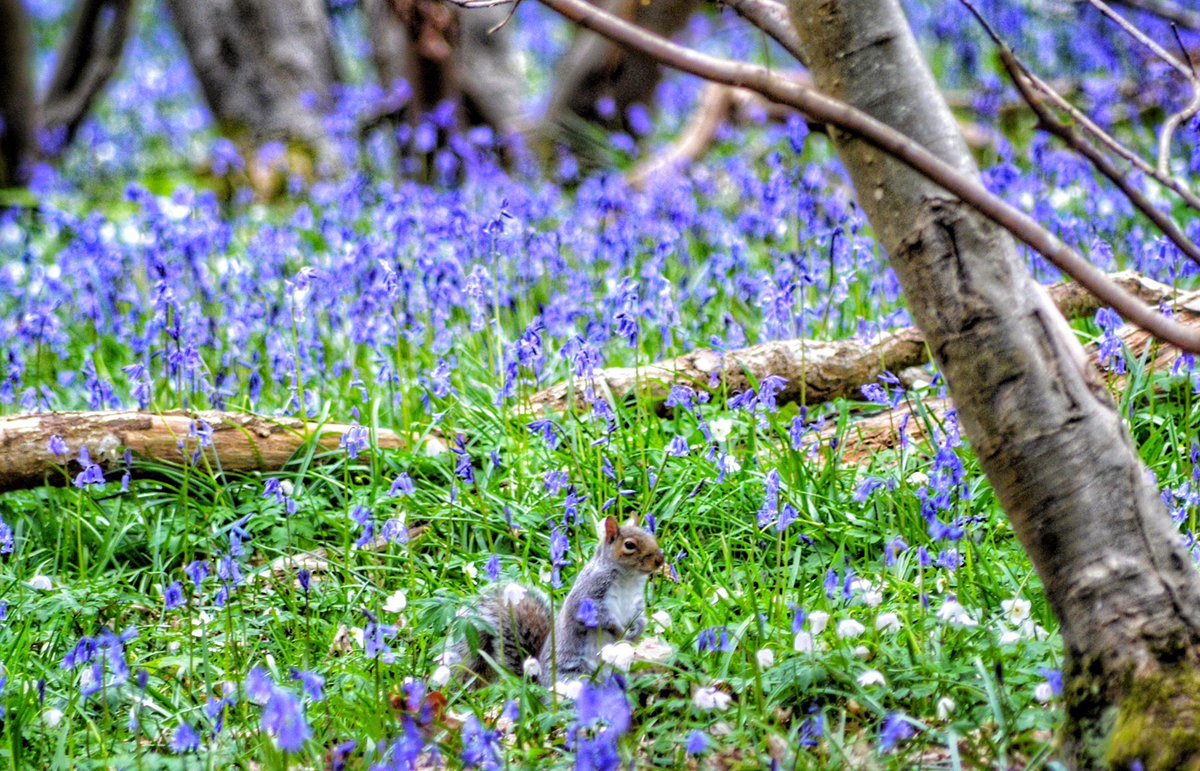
<point x="266" y="68"/>
<point x="1046" y="431"/>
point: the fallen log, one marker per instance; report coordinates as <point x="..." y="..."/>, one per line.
<point x="816" y="371"/>
<point x="237" y="443"/>
<point x="867" y="436"/>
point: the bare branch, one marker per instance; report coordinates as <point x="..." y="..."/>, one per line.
<point x="772" y="18"/>
<point x="1144" y="39"/>
<point x="823" y="108"/>
<point x="1107" y="140"/>
<point x="1168" y="130"/>
<point x="716" y="102"/>
<point x="1048" y="122"/>
<point x="1164" y="9"/>
<point x="816" y="371"/>
<point x="88" y="59"/>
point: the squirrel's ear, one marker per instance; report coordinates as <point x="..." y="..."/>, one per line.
<point x="610" y="530"/>
<point x="632" y="521"/>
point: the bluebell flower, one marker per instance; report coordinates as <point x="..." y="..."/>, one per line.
<point x="313" y="684"/>
<point x="283" y="720"/>
<point x="58" y="446"/>
<point x="185" y="739"/>
<point x="697" y="743"/>
<point x="587" y="613"/>
<point x="355" y="440"/>
<point x="480" y="747"/>
<point x="173" y="596"/>
<point x="896" y="729"/>
<point x="197" y="571"/>
<point x="403" y="485"/>
<point x="677" y="447"/>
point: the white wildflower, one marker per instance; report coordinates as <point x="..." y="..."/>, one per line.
<point x="662" y="618"/>
<point x="918" y="478"/>
<point x="817" y="621"/>
<point x="848" y="629"/>
<point x="1016" y="610"/>
<point x="1043" y="692"/>
<point x="395" y="602"/>
<point x="653" y="650"/>
<point x="766" y="658"/>
<point x="471" y="571"/>
<point x="862" y="652"/>
<point x="945" y="707"/>
<point x="619" y="655"/>
<point x="440" y="677"/>
<point x="531" y="668"/>
<point x="52" y="717"/>
<point x="872" y="598"/>
<point x="514" y="593"/>
<point x="871" y="677"/>
<point x="41" y="583"/>
<point x="803" y="643"/>
<point x="568" y="689"/>
<point x="709" y="698"/>
<point x="1009" y="636"/>
<point x="887" y="622"/>
<point x="720" y="595"/>
<point x="953" y="613"/>
<point x="720" y="429"/>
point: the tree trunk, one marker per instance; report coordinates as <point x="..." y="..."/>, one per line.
<point x="1047" y="433"/>
<point x="86" y="62"/>
<point x="266" y="68"/>
<point x="444" y="52"/>
<point x="17" y="105"/>
<point x="596" y="69"/>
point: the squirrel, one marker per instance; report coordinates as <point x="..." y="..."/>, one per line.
<point x="516" y="621"/>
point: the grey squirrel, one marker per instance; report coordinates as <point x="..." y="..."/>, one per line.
<point x="516" y="621"/>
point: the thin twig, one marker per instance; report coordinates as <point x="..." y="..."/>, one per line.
<point x="772" y="18"/>
<point x="832" y="111"/>
<point x="480" y="3"/>
<point x="1144" y="39"/>
<point x="1168" y="130"/>
<point x="1175" y="121"/>
<point x="1048" y="122"/>
<point x="511" y="12"/>
<point x="1165" y="10"/>
<point x="1104" y="138"/>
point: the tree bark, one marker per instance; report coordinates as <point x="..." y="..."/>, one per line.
<point x="240" y="443"/>
<point x="87" y="60"/>
<point x="873" y="434"/>
<point x="595" y="68"/>
<point x="266" y="68"/>
<point x="1045" y="429"/>
<point x="445" y="52"/>
<point x="17" y="106"/>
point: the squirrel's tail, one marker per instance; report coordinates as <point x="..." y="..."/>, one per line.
<point x="512" y="624"/>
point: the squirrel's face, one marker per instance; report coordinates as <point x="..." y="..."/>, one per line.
<point x="633" y="547"/>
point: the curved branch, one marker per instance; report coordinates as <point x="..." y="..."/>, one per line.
<point x="842" y="116"/>
<point x="772" y="18"/>
<point x="1165" y="10"/>
<point x="86" y="62"/>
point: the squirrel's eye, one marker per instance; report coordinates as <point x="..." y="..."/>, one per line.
<point x="630" y="546"/>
